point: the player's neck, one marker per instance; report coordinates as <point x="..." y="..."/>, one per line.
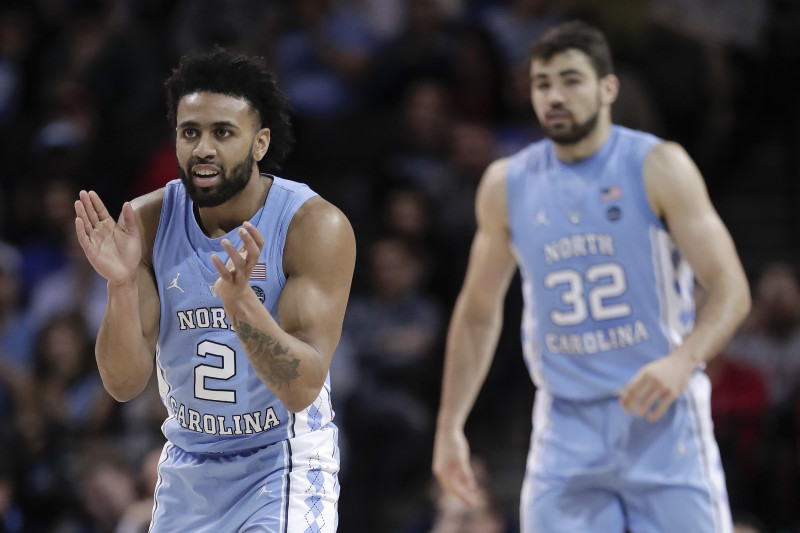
<point x="219" y="220"/>
<point x="588" y="146"/>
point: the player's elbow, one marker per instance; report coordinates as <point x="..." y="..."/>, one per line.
<point x="123" y="386"/>
<point x="299" y="398"/>
<point x="296" y="403"/>
<point x="122" y="392"/>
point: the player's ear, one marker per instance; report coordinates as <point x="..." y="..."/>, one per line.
<point x="261" y="143"/>
<point x="609" y="89"/>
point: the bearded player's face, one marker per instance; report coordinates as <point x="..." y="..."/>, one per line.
<point x="566" y="96"/>
<point x="214" y="146"/>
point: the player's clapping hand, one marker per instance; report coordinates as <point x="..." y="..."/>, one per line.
<point x="112" y="247"/>
<point x="234" y="276"/>
<point x="657" y="385"/>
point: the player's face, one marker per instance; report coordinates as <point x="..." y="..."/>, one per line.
<point x="215" y="141"/>
<point x="566" y="96"/>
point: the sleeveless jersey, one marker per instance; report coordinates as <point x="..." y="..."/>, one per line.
<point x="605" y="289"/>
<point x="215" y="401"/>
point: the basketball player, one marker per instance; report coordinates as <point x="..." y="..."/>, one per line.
<point x="607" y="226"/>
<point x="237" y="282"/>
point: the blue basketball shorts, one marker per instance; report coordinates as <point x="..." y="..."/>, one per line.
<point x="288" y="487"/>
<point x="594" y="468"/>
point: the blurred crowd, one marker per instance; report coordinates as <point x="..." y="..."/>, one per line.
<point x="398" y="106"/>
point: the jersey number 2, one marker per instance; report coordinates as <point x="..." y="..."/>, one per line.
<point x="224" y="373"/>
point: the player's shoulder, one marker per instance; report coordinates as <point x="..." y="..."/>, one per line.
<point x="667" y="162"/>
<point x="491" y="196"/>
<point x="319" y="233"/>
<point x="495" y="175"/>
<point x="318" y="216"/>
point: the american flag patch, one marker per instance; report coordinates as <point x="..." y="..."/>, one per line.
<point x="611" y="193"/>
<point x="259" y="271"/>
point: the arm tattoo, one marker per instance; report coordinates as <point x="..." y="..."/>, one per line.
<point x="271" y="359"/>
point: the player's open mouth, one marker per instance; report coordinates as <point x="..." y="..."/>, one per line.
<point x="557" y="116"/>
<point x="204" y="174"/>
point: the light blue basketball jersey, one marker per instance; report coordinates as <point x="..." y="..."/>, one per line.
<point x="215" y="401"/>
<point x="605" y="289"/>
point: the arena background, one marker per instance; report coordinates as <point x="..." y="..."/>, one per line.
<point x="398" y="108"/>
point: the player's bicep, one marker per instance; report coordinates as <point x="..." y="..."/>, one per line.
<point x="319" y="258"/>
<point x="491" y="267"/>
<point x="491" y="262"/>
<point x="680" y="196"/>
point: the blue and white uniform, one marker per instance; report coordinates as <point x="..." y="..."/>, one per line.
<point x="236" y="459"/>
<point x="606" y="291"/>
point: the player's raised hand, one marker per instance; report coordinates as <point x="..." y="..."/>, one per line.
<point x="112" y="247"/>
<point x="451" y="466"/>
<point x="234" y="275"/>
<point x="657" y="385"/>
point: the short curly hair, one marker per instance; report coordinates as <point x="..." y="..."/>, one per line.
<point x="240" y="76"/>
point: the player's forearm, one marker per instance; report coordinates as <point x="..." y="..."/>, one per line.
<point x="725" y="307"/>
<point x="292" y="369"/>
<point x="123" y="357"/>
<point x="471" y="343"/>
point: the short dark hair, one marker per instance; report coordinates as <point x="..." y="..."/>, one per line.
<point x="239" y="76"/>
<point x="581" y="36"/>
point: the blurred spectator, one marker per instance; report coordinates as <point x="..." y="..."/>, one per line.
<point x="107" y="489"/>
<point x="97" y="52"/>
<point x="417" y="151"/>
<point x="470" y="151"/>
<point x="426" y="48"/>
<point x="769" y="340"/>
<point x="45" y="223"/>
<point x="739" y="407"/>
<point x="200" y="25"/>
<point x="478" y="75"/>
<point x="321" y="58"/>
<point x="394" y="329"/>
<point x="11" y="518"/>
<point x="137" y="515"/>
<point x="70" y="405"/>
<point x="68" y="388"/>
<point x="69" y="281"/>
<point x="16" y="40"/>
<point x="515" y="24"/>
<point x="16" y="339"/>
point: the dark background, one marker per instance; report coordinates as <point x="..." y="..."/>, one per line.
<point x="398" y="107"/>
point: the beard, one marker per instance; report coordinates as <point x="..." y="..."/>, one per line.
<point x="230" y="184"/>
<point x="575" y="134"/>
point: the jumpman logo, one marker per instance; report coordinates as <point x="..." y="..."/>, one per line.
<point x="174" y="284"/>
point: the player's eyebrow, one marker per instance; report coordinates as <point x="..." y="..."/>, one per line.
<point x="218" y="124"/>
<point x="562" y="73"/>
